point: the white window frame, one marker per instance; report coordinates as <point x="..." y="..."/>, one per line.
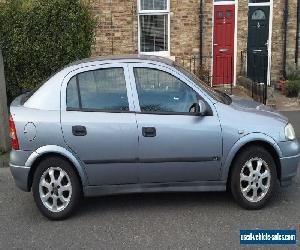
<point x="154" y="12"/>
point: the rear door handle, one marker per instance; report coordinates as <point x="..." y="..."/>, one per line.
<point x="149" y="132"/>
<point x="79" y="131"/>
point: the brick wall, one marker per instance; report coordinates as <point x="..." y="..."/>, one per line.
<point x="116" y="31"/>
<point x="242" y="32"/>
<point x="278" y="37"/>
<point x="185" y="31"/>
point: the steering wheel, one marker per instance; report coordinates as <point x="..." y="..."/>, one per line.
<point x="193" y="108"/>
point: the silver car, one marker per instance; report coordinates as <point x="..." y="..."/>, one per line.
<point x="143" y="124"/>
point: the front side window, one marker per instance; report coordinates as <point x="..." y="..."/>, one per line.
<point x="161" y="92"/>
<point x="154" y="26"/>
<point x="101" y="90"/>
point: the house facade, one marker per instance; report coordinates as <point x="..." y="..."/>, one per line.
<point x="255" y="38"/>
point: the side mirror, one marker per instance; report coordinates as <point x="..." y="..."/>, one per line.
<point x="202" y="108"/>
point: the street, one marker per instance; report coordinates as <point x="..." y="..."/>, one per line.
<point x="150" y="221"/>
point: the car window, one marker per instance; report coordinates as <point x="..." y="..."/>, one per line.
<point x="72" y="94"/>
<point x="161" y="92"/>
<point x="217" y="95"/>
<point x="103" y="90"/>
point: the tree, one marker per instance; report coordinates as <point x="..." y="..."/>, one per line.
<point x="39" y="37"/>
<point x="4" y="139"/>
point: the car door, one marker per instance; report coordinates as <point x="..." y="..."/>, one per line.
<point x="98" y="124"/>
<point x="175" y="144"/>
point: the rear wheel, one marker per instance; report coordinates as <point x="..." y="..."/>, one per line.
<point x="253" y="177"/>
<point x="56" y="188"/>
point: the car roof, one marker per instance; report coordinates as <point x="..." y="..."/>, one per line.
<point x="124" y="58"/>
<point x="47" y="97"/>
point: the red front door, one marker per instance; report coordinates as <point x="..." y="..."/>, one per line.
<point x="223" y="63"/>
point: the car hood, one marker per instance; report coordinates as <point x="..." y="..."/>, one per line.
<point x="257" y="108"/>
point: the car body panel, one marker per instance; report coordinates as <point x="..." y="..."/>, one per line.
<point x="182" y="148"/>
<point x="111" y="142"/>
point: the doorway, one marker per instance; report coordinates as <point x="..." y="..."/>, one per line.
<point x="258" y="43"/>
<point x="223" y="44"/>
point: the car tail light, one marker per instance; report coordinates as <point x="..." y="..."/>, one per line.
<point x="13" y="134"/>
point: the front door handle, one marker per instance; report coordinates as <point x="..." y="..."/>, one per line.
<point x="79" y="131"/>
<point x="149" y="132"/>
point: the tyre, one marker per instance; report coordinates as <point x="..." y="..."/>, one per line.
<point x="56" y="188"/>
<point x="253" y="177"/>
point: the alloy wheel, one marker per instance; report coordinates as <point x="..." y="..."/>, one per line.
<point x="255" y="179"/>
<point x="55" y="189"/>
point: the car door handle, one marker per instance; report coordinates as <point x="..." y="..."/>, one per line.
<point x="149" y="132"/>
<point x="79" y="131"/>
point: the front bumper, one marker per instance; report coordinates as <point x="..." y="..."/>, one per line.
<point x="289" y="162"/>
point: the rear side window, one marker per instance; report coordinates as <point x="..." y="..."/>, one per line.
<point x="98" y="90"/>
<point x="72" y="94"/>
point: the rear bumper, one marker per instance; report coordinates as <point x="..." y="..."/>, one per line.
<point x="20" y="174"/>
<point x="19" y="169"/>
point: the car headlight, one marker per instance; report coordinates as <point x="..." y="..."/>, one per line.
<point x="289" y="132"/>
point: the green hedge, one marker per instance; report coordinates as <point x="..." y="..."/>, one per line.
<point x="38" y="37"/>
<point x="292" y="88"/>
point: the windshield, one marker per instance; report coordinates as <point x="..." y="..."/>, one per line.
<point x="215" y="94"/>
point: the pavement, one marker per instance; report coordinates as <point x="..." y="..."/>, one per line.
<point x="284" y="103"/>
<point x="144" y="221"/>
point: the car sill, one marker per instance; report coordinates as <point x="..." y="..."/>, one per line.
<point x="202" y="186"/>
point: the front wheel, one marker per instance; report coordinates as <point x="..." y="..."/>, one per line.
<point x="253" y="178"/>
<point x="56" y="188"/>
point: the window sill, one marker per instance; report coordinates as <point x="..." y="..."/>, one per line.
<point x="165" y="54"/>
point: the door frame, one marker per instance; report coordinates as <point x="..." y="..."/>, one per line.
<point x="227" y="2"/>
<point x="271" y="5"/>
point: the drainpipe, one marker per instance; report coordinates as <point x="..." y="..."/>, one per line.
<point x="297" y="34"/>
<point x="285" y="27"/>
<point x="201" y="32"/>
<point x="111" y="28"/>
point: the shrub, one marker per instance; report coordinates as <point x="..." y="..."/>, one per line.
<point x="292" y="88"/>
<point x="203" y="74"/>
<point x="293" y="73"/>
<point x="39" y="37"/>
